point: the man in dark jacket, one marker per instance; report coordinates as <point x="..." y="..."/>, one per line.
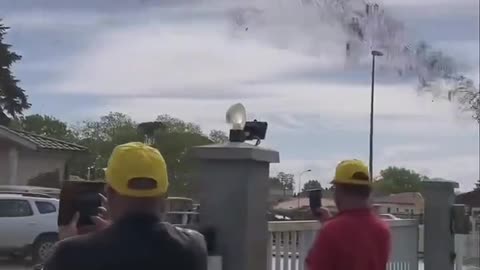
<point x="134" y="237"/>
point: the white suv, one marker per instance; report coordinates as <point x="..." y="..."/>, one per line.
<point x="28" y="225"/>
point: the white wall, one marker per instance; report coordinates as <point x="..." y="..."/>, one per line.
<point x="30" y="164"/>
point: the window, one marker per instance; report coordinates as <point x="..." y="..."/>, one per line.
<point x="388" y="210"/>
<point x="45" y="207"/>
<point x="15" y="208"/>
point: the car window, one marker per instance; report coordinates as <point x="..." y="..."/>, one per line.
<point x="15" y="208"/>
<point x="45" y="207"/>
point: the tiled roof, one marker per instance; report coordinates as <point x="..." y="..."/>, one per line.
<point x="471" y="198"/>
<point x="400" y="198"/>
<point x="45" y="143"/>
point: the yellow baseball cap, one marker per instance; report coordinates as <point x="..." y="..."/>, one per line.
<point x="353" y="172"/>
<point x="133" y="162"/>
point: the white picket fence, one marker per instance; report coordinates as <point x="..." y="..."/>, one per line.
<point x="467" y="248"/>
<point x="290" y="242"/>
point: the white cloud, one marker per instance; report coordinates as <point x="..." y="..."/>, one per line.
<point x="175" y="60"/>
<point x="432" y="8"/>
<point x="341" y="107"/>
<point x="403" y="150"/>
<point x="160" y="64"/>
<point x="48" y="19"/>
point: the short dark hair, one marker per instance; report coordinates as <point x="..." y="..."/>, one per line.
<point x="360" y="191"/>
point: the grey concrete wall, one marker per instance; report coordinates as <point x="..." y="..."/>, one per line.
<point x="243" y="203"/>
<point x="233" y="197"/>
<point x="438" y="237"/>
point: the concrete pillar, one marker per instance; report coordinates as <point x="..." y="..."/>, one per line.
<point x="13" y="166"/>
<point x="233" y="191"/>
<point x="439" y="241"/>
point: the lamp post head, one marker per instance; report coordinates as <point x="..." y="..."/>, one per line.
<point x="377" y="53"/>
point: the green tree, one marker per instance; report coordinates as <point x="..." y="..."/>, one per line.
<point x="286" y="180"/>
<point x="13" y="100"/>
<point x="44" y="125"/>
<point x="311" y="184"/>
<point x="218" y="136"/>
<point x="174" y="141"/>
<point x="398" y="180"/>
<point x="173" y="124"/>
<point x="100" y="137"/>
<point x="174" y="138"/>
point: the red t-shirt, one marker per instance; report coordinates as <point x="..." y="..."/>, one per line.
<point x="353" y="240"/>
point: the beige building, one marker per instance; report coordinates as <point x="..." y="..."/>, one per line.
<point x="302" y="203"/>
<point x="401" y="204"/>
<point x="24" y="156"/>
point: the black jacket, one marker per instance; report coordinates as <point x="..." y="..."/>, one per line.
<point x="135" y="242"/>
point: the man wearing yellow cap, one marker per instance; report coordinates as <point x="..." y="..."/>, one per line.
<point x="134" y="238"/>
<point x="355" y="239"/>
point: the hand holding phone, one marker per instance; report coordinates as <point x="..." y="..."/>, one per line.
<point x="101" y="221"/>
<point x="315" y="199"/>
<point x="82" y="197"/>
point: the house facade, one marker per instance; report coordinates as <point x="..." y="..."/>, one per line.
<point x="405" y="204"/>
<point x="24" y="156"/>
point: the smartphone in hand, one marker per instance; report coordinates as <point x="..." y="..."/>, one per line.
<point x="82" y="197"/>
<point x="315" y="200"/>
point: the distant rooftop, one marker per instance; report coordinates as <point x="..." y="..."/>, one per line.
<point x="38" y="142"/>
<point x="407" y="198"/>
<point x="304" y="202"/>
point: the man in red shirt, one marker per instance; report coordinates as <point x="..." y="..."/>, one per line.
<point x="356" y="238"/>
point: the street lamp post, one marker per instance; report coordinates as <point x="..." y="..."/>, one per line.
<point x="372" y="100"/>
<point x="300" y="185"/>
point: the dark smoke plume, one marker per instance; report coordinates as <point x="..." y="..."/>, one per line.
<point x="365" y="26"/>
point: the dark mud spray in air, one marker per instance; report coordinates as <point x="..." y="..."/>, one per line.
<point x="356" y="27"/>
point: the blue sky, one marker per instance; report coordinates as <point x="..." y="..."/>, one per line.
<point x="82" y="59"/>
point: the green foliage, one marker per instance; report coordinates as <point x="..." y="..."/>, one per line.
<point x="311" y="184"/>
<point x="174" y="142"/>
<point x="173" y="124"/>
<point x="174" y="138"/>
<point x="100" y="137"/>
<point x="218" y="136"/>
<point x="44" y="125"/>
<point x="13" y="100"/>
<point x="398" y="180"/>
